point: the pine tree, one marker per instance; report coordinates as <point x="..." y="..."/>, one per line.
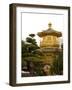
<point x="31" y="58"/>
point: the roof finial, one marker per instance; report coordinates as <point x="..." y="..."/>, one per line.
<point x="49" y="24"/>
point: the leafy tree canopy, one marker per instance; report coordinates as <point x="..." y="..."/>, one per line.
<point x="32" y="35"/>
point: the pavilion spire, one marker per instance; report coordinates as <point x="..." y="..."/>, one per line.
<point x="49" y="24"/>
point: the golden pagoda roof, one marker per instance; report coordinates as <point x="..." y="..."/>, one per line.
<point x="49" y="31"/>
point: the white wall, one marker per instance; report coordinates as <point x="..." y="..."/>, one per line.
<point x="4" y="45"/>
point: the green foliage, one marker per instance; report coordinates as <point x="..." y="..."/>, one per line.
<point x="30" y="53"/>
<point x="32" y="35"/>
<point x="57" y="67"/>
<point x="39" y="69"/>
<point x="31" y="39"/>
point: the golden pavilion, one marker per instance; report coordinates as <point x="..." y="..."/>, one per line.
<point x="49" y="44"/>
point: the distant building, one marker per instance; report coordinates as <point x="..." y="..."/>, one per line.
<point x="49" y="45"/>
